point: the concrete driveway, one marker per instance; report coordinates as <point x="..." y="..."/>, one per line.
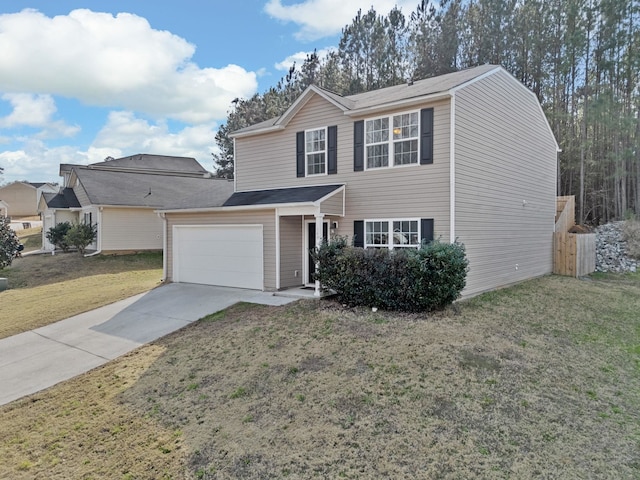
<point x="40" y="358"/>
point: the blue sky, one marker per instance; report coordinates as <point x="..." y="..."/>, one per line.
<point x="83" y="80"/>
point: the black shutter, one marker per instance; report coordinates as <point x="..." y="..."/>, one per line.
<point x="332" y="150"/>
<point x="426" y="229"/>
<point x="426" y="136"/>
<point x="358" y="146"/>
<point x="358" y="233"/>
<point x="300" y="170"/>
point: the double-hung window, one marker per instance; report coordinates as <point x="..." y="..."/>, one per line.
<point x="392" y="140"/>
<point x="316" y="151"/>
<point x="392" y="234"/>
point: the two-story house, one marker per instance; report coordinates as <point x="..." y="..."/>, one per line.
<point x="467" y="156"/>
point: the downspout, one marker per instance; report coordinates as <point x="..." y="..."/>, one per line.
<point x="277" y="250"/>
<point x="452" y="170"/>
<point x="164" y="246"/>
<point x="99" y="243"/>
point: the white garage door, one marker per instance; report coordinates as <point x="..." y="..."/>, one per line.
<point x="225" y="255"/>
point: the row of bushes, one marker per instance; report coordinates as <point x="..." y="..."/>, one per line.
<point x="413" y="280"/>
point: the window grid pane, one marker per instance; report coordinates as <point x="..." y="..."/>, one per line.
<point x="405" y="152"/>
<point x="405" y="233"/>
<point x="377" y="233"/>
<point x="378" y="156"/>
<point x="315" y="163"/>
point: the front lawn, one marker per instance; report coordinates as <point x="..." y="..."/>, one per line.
<point x="541" y="380"/>
<point x="46" y="288"/>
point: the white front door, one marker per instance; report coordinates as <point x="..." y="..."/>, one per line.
<point x="310" y="244"/>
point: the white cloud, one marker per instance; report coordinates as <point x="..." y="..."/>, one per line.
<point x="123" y="134"/>
<point x="130" y="135"/>
<point x="324" y="18"/>
<point x="29" y="110"/>
<point x="299" y="58"/>
<point x="116" y="61"/>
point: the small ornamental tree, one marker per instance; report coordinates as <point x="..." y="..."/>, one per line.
<point x="81" y="235"/>
<point x="57" y="236"/>
<point x="8" y="243"/>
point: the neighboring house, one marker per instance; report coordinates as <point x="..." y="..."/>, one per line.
<point x="22" y="198"/>
<point x="122" y="195"/>
<point x="466" y="156"/>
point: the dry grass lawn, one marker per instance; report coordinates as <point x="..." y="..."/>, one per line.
<point x="541" y="380"/>
<point x="46" y="288"/>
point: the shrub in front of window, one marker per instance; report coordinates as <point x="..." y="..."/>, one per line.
<point x="57" y="236"/>
<point x="81" y="235"/>
<point x="413" y="280"/>
<point x="8" y="243"/>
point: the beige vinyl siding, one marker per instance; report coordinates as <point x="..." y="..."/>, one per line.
<point x="505" y="154"/>
<point x="415" y="191"/>
<point x="21" y="199"/>
<point x="263" y="217"/>
<point x="81" y="194"/>
<point x="130" y="229"/>
<point x="333" y="205"/>
<point x="291" y="251"/>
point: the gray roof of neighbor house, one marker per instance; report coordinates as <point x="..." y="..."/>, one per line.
<point x="65" y="198"/>
<point x="159" y="163"/>
<point x="143" y="189"/>
<point x="380" y="97"/>
<point x="281" y="195"/>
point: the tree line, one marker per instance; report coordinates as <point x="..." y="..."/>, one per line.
<point x="580" y="57"/>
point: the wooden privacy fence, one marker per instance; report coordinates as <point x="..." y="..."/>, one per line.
<point x="574" y="254"/>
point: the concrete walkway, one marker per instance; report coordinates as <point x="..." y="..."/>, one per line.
<point x="40" y="358"/>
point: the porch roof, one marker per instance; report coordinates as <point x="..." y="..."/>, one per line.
<point x="65" y="198"/>
<point x="281" y="196"/>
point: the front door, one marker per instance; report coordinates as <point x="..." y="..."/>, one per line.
<point x="311" y="244"/>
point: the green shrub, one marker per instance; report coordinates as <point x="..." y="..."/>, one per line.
<point x="631" y="235"/>
<point x="81" y="235"/>
<point x="8" y="243"/>
<point x="57" y="236"/>
<point x="411" y="280"/>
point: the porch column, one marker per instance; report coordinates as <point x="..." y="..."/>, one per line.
<point x="319" y="222"/>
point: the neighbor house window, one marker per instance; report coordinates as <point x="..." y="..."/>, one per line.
<point x="88" y="218"/>
<point x="316" y="151"/>
<point x="392" y="234"/>
<point x="392" y="140"/>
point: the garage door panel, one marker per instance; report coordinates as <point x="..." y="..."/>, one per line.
<point x="226" y="255"/>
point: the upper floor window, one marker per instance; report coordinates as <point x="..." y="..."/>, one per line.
<point x="316" y="151"/>
<point x="392" y="140"/>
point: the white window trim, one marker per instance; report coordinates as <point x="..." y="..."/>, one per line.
<point x="325" y="151"/>
<point x="389" y="243"/>
<point x="390" y="141"/>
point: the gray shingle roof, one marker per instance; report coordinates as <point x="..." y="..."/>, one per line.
<point x="280" y="196"/>
<point x="65" y="198"/>
<point x="389" y="95"/>
<point x="145" y="161"/>
<point x="106" y="187"/>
